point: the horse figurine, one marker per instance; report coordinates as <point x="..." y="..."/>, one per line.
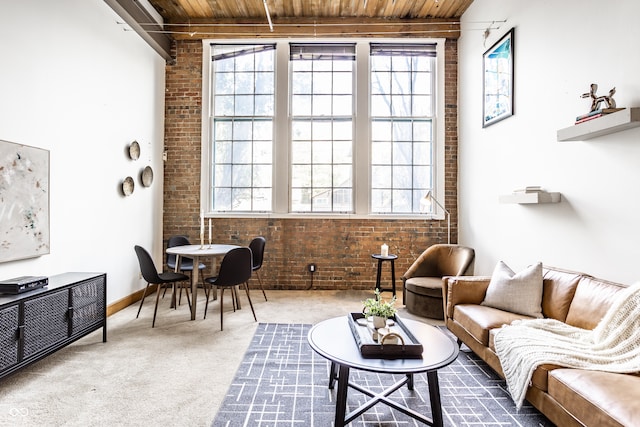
<point x="597" y="100"/>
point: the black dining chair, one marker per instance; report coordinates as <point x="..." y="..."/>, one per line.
<point x="257" y="250"/>
<point x="151" y="275"/>
<point x="186" y="264"/>
<point x="235" y="269"/>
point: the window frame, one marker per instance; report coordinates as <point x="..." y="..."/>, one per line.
<point x="345" y="53"/>
<point x="236" y="119"/>
<point x="282" y="126"/>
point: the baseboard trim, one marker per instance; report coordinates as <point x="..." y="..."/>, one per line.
<point x="127" y="301"/>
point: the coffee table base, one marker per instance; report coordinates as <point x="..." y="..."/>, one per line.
<point x="341" y="373"/>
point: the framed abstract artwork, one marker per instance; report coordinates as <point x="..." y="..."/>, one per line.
<point x="497" y="89"/>
<point x="24" y="201"/>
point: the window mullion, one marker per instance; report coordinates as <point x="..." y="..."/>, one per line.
<point x="282" y="129"/>
<point x="362" y="147"/>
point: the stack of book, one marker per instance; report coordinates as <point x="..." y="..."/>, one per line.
<point x="595" y="114"/>
<point x="528" y="190"/>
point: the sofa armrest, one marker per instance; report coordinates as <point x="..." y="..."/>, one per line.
<point x="463" y="290"/>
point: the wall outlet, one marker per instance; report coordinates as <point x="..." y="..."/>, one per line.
<point x="311" y="268"/>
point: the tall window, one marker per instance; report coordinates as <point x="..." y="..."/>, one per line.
<point x="322" y="127"/>
<point x="402" y="109"/>
<point x="242" y="137"/>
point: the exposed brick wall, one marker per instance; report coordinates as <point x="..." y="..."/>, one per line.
<point x="341" y="248"/>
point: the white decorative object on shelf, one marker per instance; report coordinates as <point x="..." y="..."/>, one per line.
<point x="610" y="123"/>
<point x="530" y="195"/>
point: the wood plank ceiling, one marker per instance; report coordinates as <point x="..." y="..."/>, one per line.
<point x="184" y="19"/>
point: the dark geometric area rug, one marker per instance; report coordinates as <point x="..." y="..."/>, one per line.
<point x="283" y="382"/>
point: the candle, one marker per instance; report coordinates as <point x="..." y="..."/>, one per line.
<point x="209" y="230"/>
<point x="384" y="250"/>
<point x="202" y="227"/>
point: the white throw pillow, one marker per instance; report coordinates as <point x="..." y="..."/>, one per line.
<point x="518" y="293"/>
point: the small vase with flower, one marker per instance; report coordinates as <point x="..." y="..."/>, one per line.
<point x="379" y="310"/>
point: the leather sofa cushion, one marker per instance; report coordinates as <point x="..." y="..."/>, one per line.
<point x="463" y="290"/>
<point x="427" y="286"/>
<point x="559" y="286"/>
<point x="540" y="377"/>
<point x="597" y="398"/>
<point x="591" y="301"/>
<point x="479" y="320"/>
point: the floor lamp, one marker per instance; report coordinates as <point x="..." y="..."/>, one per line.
<point x="427" y="200"/>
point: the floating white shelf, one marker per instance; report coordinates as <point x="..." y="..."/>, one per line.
<point x="610" y="123"/>
<point x="531" y="198"/>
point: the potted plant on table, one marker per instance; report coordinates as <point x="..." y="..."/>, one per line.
<point x="379" y="310"/>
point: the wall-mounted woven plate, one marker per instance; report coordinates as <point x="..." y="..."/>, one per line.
<point x="127" y="186"/>
<point x="134" y="150"/>
<point x="146" y="176"/>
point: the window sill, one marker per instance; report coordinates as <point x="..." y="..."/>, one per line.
<point x="318" y="215"/>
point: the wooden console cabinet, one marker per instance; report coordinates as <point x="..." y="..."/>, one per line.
<point x="39" y="322"/>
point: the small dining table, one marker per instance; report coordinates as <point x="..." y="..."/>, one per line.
<point x="196" y="252"/>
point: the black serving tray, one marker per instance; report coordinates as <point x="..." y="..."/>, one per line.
<point x="408" y="348"/>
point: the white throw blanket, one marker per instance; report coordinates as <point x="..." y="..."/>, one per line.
<point x="612" y="346"/>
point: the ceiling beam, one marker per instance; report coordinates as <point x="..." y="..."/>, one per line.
<point x="145" y="24"/>
<point x="311" y="27"/>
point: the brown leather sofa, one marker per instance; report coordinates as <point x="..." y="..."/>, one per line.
<point x="568" y="397"/>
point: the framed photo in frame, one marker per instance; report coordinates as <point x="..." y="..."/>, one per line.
<point x="497" y="84"/>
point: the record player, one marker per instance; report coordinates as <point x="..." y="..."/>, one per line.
<point x="21" y="284"/>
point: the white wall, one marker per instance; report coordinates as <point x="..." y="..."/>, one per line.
<point x="560" y="49"/>
<point x="72" y="81"/>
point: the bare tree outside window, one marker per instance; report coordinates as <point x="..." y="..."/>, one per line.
<point x="402" y="106"/>
<point x="322" y="127"/>
<point x="242" y="131"/>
